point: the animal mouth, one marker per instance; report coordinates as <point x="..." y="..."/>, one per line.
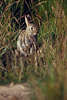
<point x="34" y="34"/>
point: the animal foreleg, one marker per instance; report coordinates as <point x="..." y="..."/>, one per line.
<point x="21" y="68"/>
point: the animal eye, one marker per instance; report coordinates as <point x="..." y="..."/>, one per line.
<point x="31" y="28"/>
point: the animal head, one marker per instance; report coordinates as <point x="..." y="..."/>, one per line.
<point x="31" y="28"/>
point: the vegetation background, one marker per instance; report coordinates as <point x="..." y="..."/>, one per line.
<point x="50" y="79"/>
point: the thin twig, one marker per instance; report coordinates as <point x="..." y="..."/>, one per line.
<point x="40" y="3"/>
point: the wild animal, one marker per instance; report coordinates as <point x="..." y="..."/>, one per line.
<point x="26" y="44"/>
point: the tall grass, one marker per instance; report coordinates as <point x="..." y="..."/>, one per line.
<point x="50" y="15"/>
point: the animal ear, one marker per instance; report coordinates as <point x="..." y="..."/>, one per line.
<point x="26" y="21"/>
